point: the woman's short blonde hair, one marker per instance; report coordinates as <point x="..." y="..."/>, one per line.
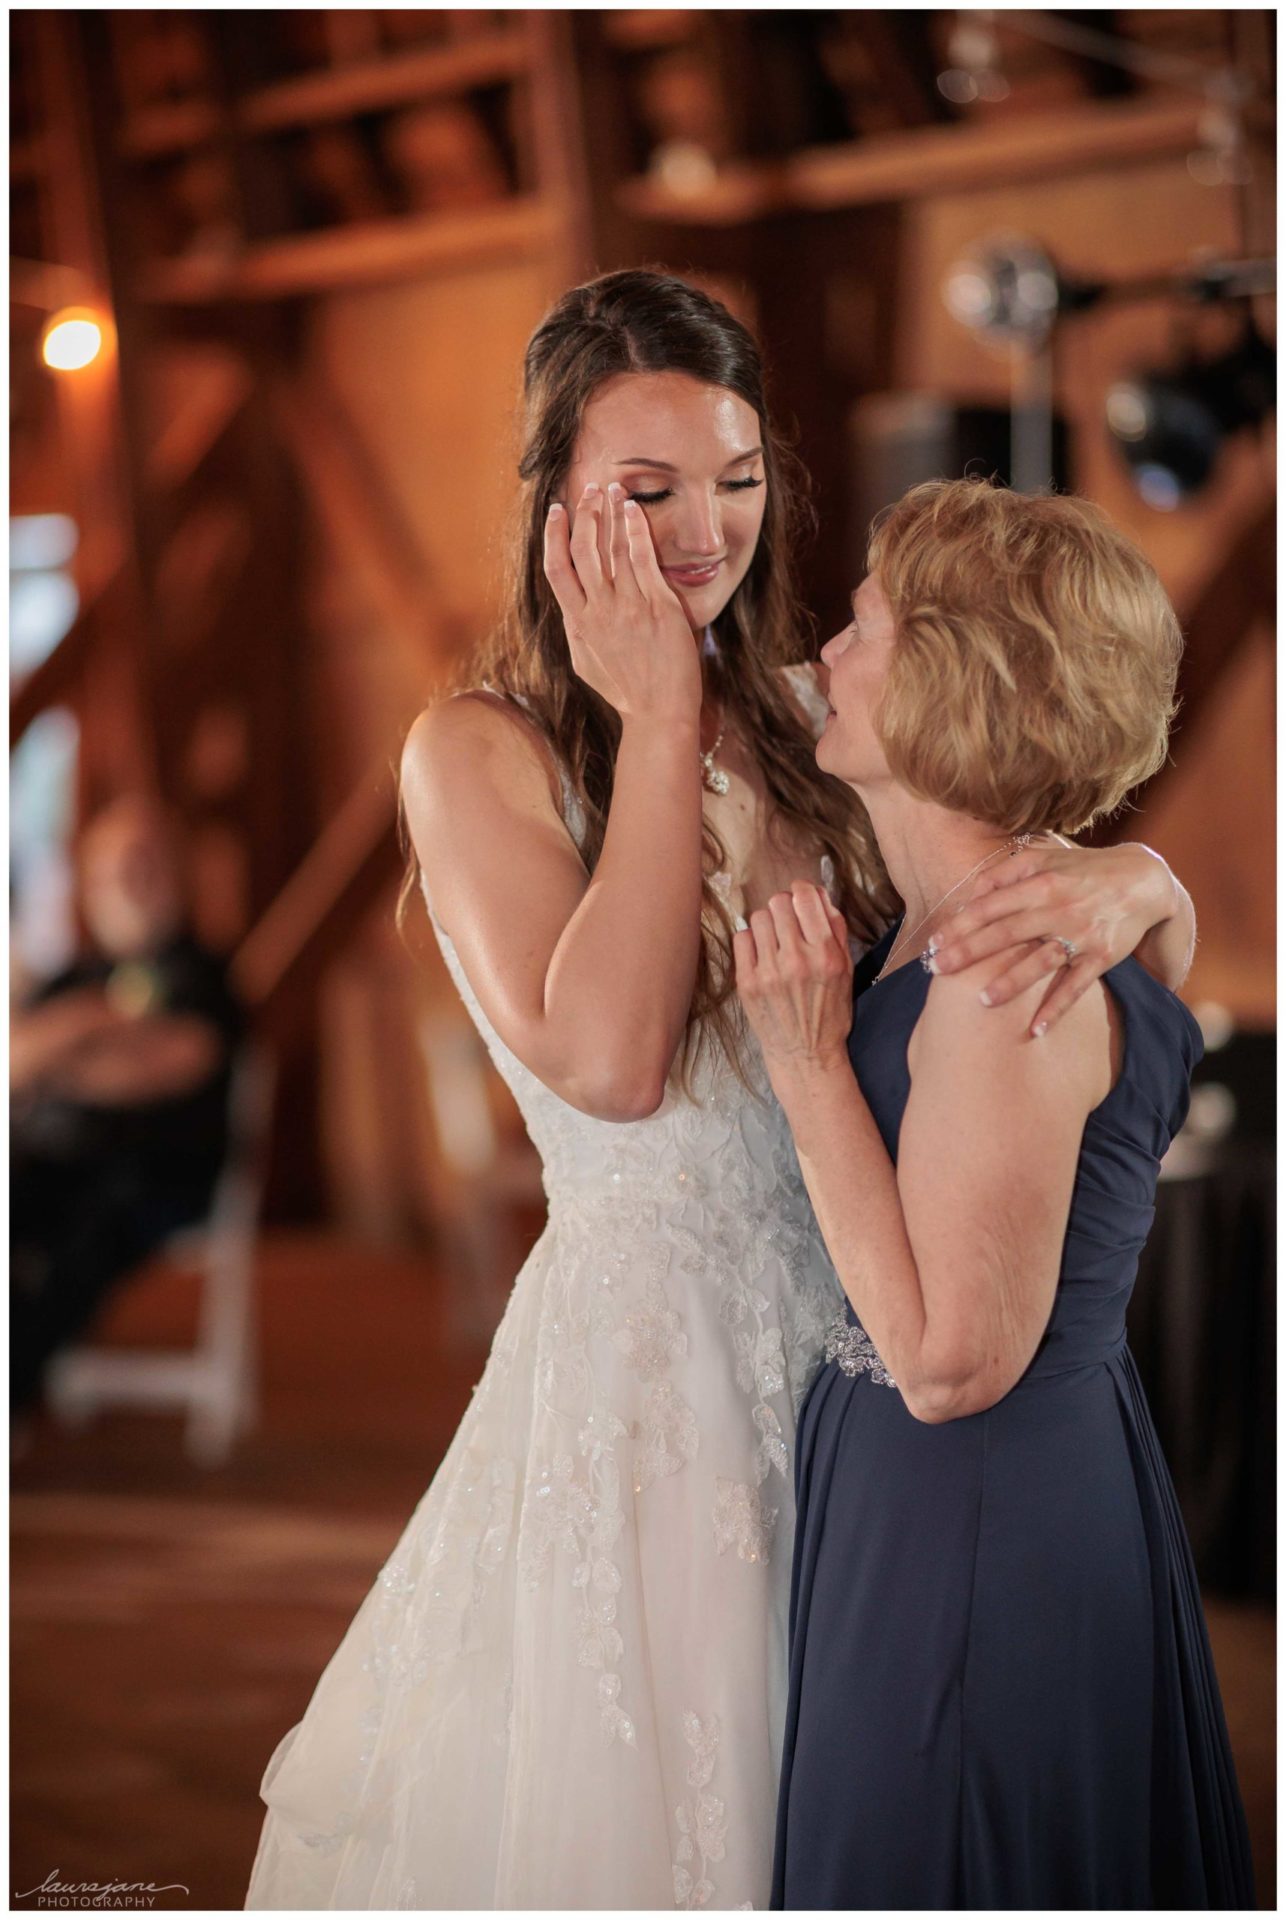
<point x="1033" y="672"/>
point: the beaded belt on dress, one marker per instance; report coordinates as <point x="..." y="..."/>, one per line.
<point x="848" y="1344"/>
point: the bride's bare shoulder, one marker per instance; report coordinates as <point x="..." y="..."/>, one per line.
<point x="473" y="740"/>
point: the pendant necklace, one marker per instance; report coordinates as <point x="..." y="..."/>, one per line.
<point x="713" y="778"/>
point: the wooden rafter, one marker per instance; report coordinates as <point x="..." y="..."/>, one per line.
<point x="365" y="522"/>
<point x="891" y="38"/>
<point x="174" y="464"/>
<point x="351" y="863"/>
<point x="208" y="409"/>
<point x="101" y="614"/>
<point x="929" y="160"/>
<point x="388" y="81"/>
<point x="371" y="253"/>
<point x="1239" y="593"/>
<point x="1241" y="590"/>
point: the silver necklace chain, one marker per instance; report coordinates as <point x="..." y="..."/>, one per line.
<point x="1010" y="846"/>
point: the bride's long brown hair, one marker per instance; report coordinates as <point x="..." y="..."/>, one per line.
<point x="637" y="321"/>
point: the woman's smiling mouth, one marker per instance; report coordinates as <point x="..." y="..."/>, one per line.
<point x="693" y="576"/>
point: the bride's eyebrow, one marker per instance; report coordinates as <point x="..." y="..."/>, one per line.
<point x="664" y="466"/>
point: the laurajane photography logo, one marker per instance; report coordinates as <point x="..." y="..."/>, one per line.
<point x="53" y="1892"/>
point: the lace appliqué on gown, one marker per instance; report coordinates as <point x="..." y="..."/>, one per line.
<point x="742" y="1520"/>
<point x="703" y="1827"/>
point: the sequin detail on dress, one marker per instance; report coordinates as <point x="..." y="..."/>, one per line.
<point x="850" y="1348"/>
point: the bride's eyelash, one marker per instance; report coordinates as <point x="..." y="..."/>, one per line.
<point x="654" y="499"/>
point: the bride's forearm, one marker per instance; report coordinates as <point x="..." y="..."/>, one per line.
<point x="620" y="980"/>
<point x="1167" y="948"/>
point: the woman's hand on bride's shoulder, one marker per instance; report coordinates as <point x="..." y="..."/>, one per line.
<point x="795" y="980"/>
<point x="1070" y="912"/>
<point x="627" y="633"/>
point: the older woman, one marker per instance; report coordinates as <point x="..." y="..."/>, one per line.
<point x="1001" y="1690"/>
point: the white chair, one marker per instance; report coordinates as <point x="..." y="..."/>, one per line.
<point x="217" y="1379"/>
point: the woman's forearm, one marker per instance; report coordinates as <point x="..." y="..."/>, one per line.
<point x="853" y="1187"/>
<point x="619" y="983"/>
<point x="954" y="1335"/>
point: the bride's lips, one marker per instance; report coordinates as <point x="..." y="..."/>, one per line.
<point x="693" y="576"/>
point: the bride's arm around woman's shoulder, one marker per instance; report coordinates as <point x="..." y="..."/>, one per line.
<point x="560" y="963"/>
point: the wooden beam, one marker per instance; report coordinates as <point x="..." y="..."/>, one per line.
<point x="58" y="674"/>
<point x="171" y="127"/>
<point x="740" y="193"/>
<point x="354" y="860"/>
<point x="558" y="137"/>
<point x="365" y="523"/>
<point x="27" y="159"/>
<point x="649" y="29"/>
<point x="892" y="39"/>
<point x="175" y="462"/>
<point x="1240" y="592"/>
<point x="209" y="408"/>
<point x="1082" y="139"/>
<point x="933" y="160"/>
<point x="390" y="81"/>
<point x="45" y="286"/>
<point x="365" y="255"/>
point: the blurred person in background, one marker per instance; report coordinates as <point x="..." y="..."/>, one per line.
<point x="119" y="1074"/>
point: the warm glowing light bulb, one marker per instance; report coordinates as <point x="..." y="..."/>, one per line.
<point x="73" y="339"/>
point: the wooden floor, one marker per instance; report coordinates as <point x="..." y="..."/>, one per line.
<point x="168" y="1624"/>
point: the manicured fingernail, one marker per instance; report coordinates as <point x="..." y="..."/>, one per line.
<point x="632" y="506"/>
<point x="985" y="997"/>
<point x="555" y="506"/>
<point x="1039" y="1031"/>
<point x="616" y="490"/>
<point x="741" y="923"/>
<point x="591" y="486"/>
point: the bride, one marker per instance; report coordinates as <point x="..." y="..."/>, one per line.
<point x="567" y="1686"/>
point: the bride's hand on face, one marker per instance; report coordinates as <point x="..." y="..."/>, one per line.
<point x="795" y="979"/>
<point x="627" y="632"/>
<point x="1102" y="900"/>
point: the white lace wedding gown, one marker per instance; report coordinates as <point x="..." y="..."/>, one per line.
<point x="567" y="1686"/>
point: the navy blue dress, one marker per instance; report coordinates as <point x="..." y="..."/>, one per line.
<point x="1001" y="1689"/>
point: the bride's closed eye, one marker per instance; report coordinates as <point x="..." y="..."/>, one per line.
<point x="730" y="486"/>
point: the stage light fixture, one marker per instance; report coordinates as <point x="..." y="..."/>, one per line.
<point x="1008" y="290"/>
<point x="1170" y="427"/>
